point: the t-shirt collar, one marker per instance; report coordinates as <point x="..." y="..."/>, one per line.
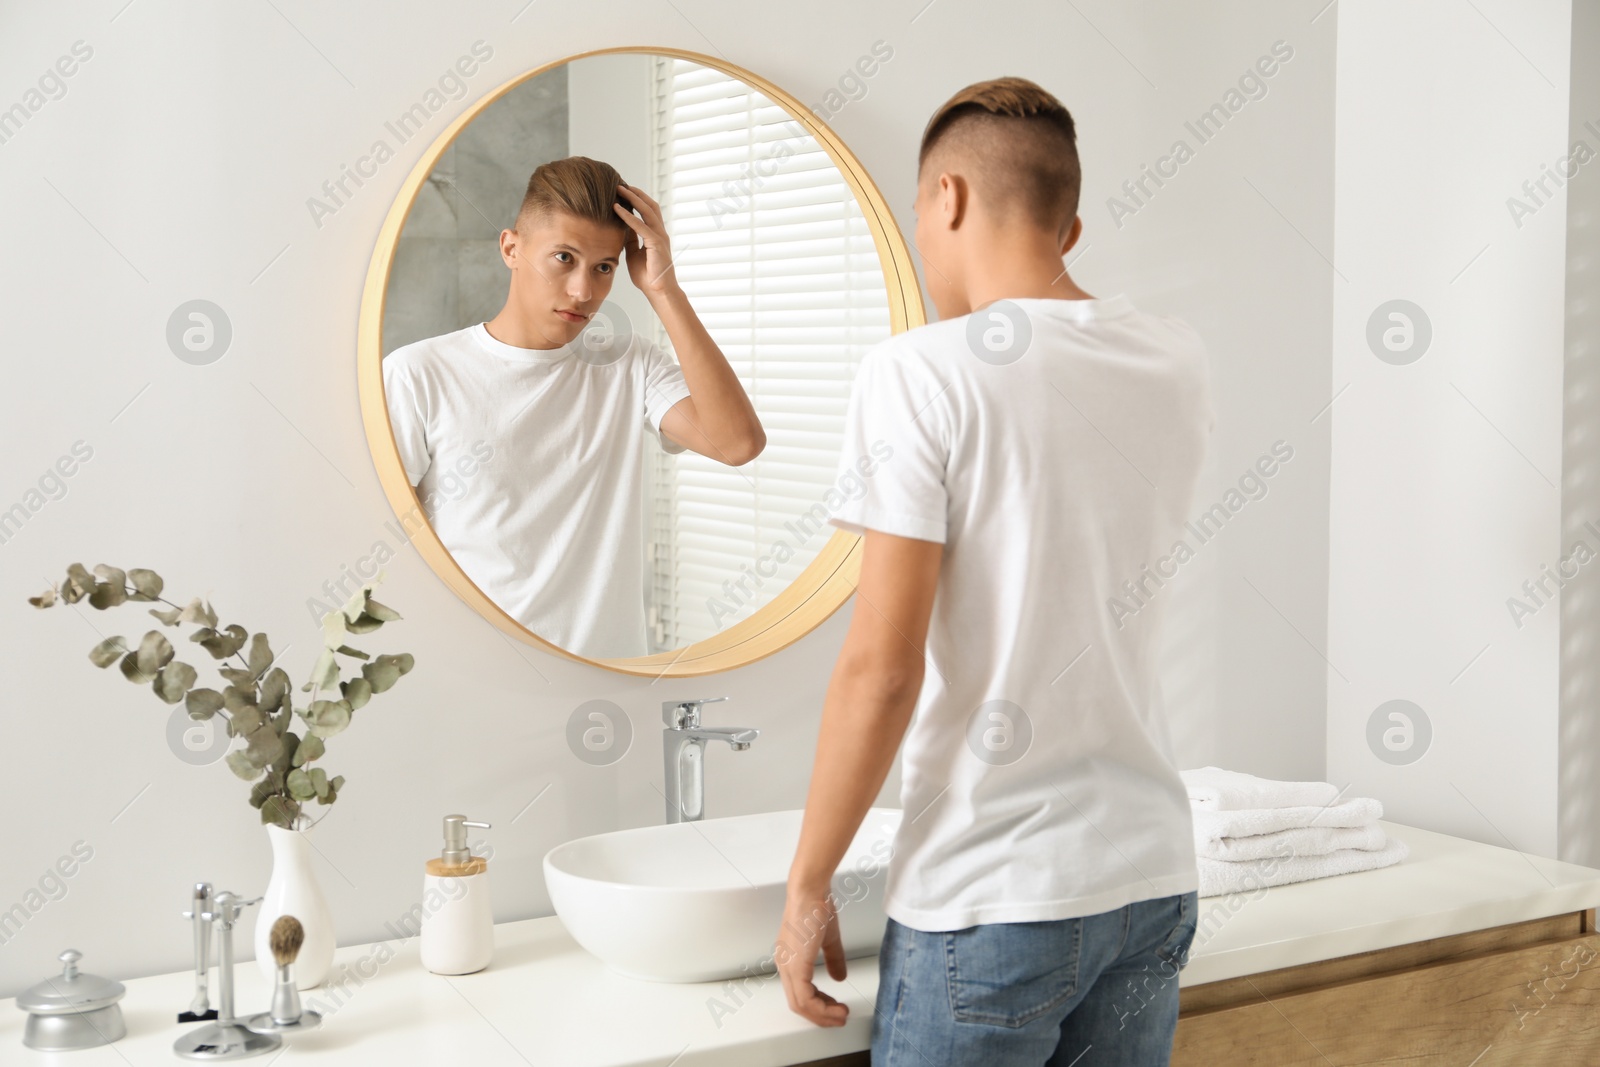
<point x="496" y="347"/>
<point x="1079" y="310"/>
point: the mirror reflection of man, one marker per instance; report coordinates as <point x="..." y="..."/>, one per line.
<point x="553" y="527"/>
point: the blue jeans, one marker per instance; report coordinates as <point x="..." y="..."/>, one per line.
<point x="1095" y="991"/>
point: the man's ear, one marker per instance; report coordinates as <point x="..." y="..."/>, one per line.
<point x="1074" y="232"/>
<point x="954" y="199"/>
<point x="508" y="247"/>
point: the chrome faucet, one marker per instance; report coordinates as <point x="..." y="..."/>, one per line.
<point x="684" y="748"/>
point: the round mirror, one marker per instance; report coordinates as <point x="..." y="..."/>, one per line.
<point x="606" y="347"/>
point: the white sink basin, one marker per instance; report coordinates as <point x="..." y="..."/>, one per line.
<point x="701" y="901"/>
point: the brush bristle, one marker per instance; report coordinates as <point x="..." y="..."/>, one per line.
<point x="287" y="937"/>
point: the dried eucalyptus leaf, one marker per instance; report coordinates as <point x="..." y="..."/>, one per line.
<point x="169" y="617"/>
<point x="363" y="624"/>
<point x="346" y="650"/>
<point x="45" y="599"/>
<point x="106" y="652"/>
<point x="275" y="688"/>
<point x="247" y="720"/>
<point x="173" y="683"/>
<point x="262" y="790"/>
<point x="309" y="749"/>
<point x="202" y="703"/>
<point x="112" y="576"/>
<point x="147" y="584"/>
<point x="357" y="691"/>
<point x="328" y="717"/>
<point x="237" y="635"/>
<point x="279" y="811"/>
<point x="221" y="645"/>
<point x="236" y="698"/>
<point x="155" y="652"/>
<point x="133" y="672"/>
<point x="291" y="745"/>
<point x="260" y="655"/>
<point x="380" y="675"/>
<point x="195" y="611"/>
<point x="334" y="785"/>
<point x="241" y="765"/>
<point x="300" y="786"/>
<point x="325" y="673"/>
<point x="264" y="745"/>
<point x="238" y="676"/>
<point x="107" y="595"/>
<point x="381" y="612"/>
<point x="319" y="781"/>
<point x="79" y="584"/>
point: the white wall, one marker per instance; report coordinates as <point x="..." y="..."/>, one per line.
<point x="1447" y="470"/>
<point x="178" y="166"/>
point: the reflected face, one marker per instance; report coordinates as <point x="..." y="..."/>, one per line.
<point x="562" y="268"/>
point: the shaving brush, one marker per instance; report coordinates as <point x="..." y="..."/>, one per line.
<point x="286" y="938"/>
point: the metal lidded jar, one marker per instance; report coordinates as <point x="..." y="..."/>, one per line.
<point x="73" y="1010"/>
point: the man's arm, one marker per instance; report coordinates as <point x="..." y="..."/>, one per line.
<point x="870" y="700"/>
<point x="716" y="419"/>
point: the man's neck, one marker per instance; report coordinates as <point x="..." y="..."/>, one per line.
<point x="1020" y="270"/>
<point x="508" y="327"/>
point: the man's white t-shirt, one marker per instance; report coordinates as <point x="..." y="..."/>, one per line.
<point x="1038" y="781"/>
<point x="552" y="528"/>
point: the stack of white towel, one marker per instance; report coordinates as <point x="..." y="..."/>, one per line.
<point x="1252" y="832"/>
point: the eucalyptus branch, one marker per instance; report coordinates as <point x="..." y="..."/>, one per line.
<point x="258" y="703"/>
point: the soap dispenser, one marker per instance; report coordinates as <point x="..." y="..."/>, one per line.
<point x="457" y="923"/>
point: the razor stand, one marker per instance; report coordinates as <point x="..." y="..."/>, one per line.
<point x="227" y="1038"/>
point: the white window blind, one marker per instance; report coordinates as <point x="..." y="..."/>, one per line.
<point x="772" y="249"/>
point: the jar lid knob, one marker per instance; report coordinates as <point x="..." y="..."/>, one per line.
<point x="69" y="963"/>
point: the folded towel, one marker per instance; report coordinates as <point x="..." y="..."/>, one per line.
<point x="1218" y="877"/>
<point x="1299" y="841"/>
<point x="1216" y="789"/>
<point x="1214" y="825"/>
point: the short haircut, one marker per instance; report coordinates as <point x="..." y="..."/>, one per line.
<point x="1021" y="144"/>
<point x="578" y="186"/>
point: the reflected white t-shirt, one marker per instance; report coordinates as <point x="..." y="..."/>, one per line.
<point x="551" y="527"/>
<point x="1038" y="781"/>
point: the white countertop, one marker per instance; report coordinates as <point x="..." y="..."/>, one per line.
<point x="544" y="1000"/>
<point x="1447" y="885"/>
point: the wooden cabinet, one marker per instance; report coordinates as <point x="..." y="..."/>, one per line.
<point x="1524" y="994"/>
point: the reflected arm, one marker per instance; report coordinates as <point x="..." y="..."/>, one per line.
<point x="716" y="419"/>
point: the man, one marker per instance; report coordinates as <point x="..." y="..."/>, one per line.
<point x="552" y="529"/>
<point x="1044" y="446"/>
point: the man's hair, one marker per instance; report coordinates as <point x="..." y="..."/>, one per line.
<point x="579" y="186"/>
<point x="1021" y="145"/>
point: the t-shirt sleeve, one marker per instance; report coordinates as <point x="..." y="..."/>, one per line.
<point x="896" y="450"/>
<point x="663" y="387"/>
<point x="407" y="418"/>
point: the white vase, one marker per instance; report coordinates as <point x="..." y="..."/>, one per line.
<point x="294" y="890"/>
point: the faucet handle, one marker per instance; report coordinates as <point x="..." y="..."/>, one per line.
<point x="684" y="714"/>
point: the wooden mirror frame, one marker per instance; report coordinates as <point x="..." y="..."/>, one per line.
<point x="829" y="579"/>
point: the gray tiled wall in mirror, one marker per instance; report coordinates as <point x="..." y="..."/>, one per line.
<point x="447" y="271"/>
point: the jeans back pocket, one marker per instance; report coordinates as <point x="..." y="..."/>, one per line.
<point x="1007" y="974"/>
